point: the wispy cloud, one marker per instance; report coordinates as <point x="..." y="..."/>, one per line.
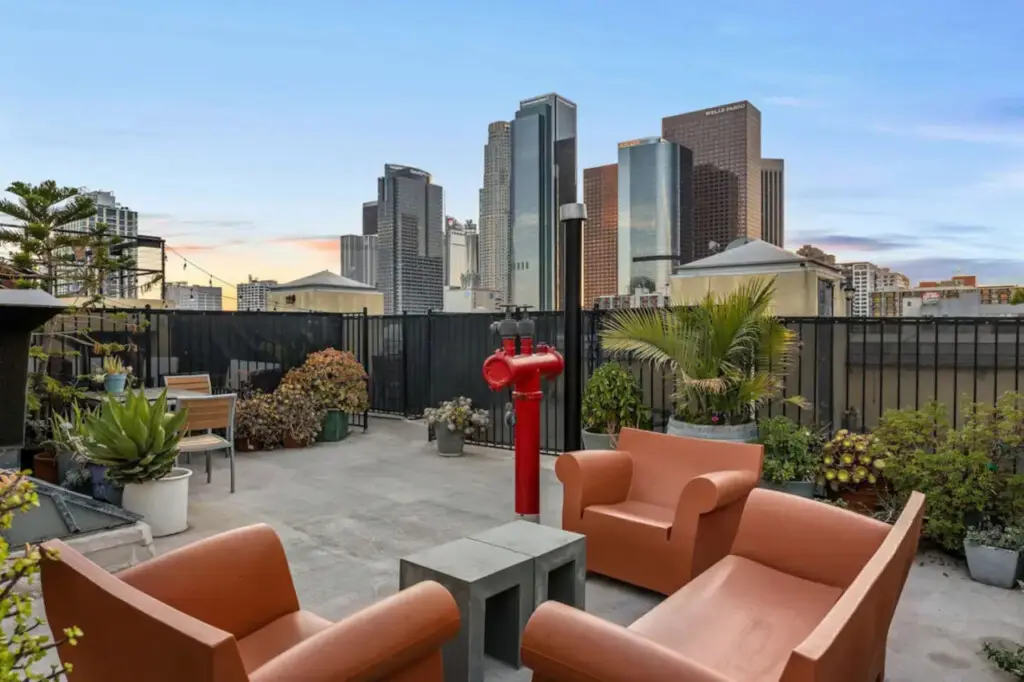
<point x="972" y="134"/>
<point x="852" y="242"/>
<point x="793" y="102"/>
<point x="988" y="270"/>
<point x="962" y="229"/>
<point x="195" y="222"/>
<point x="1010" y="180"/>
<point x="199" y="248"/>
<point x="322" y="243"/>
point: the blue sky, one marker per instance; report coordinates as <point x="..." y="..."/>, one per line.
<point x="248" y="133"/>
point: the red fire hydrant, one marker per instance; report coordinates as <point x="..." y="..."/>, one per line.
<point x="524" y="373"/>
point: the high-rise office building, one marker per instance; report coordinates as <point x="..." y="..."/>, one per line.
<point x="456" y="251"/>
<point x="472" y="276"/>
<point x="495" y="216"/>
<point x="410" y="265"/>
<point x="543" y="179"/>
<point x="773" y="201"/>
<point x="370" y="217"/>
<point x="120" y="221"/>
<point x="359" y="257"/>
<point x="600" y="233"/>
<point x="187" y="296"/>
<point x="252" y="295"/>
<point x="726" y="146"/>
<point x="655" y="213"/>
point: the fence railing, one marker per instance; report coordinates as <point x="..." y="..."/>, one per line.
<point x="849" y="370"/>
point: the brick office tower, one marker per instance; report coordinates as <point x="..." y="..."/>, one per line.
<point x="726" y="145"/>
<point x="600" y="234"/>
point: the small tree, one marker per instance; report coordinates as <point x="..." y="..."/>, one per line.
<point x="21" y="648"/>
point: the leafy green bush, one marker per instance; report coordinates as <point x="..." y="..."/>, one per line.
<point x="1008" y="660"/>
<point x="612" y="401"/>
<point x="1010" y="537"/>
<point x="791" y="452"/>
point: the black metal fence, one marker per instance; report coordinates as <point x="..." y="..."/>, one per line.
<point x="849" y="370"/>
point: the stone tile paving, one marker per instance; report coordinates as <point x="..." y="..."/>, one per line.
<point x="347" y="512"/>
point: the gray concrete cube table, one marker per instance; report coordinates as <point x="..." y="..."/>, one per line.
<point x="559" y="559"/>
<point x="493" y="588"/>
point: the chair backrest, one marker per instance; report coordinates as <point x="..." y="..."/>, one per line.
<point x="663" y="464"/>
<point x="130" y="635"/>
<point x="200" y="383"/>
<point x="849" y="643"/>
<point x="209" y="412"/>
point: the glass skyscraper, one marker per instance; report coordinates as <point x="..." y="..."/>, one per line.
<point x="543" y="179"/>
<point x="655" y="212"/>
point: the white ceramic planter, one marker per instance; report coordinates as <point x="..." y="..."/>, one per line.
<point x="735" y="433"/>
<point x="449" y="444"/>
<point x="597" y="441"/>
<point x="993" y="566"/>
<point x="163" y="503"/>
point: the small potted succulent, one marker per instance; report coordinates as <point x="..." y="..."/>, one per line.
<point x="299" y="412"/>
<point x="611" y="401"/>
<point x="452" y="421"/>
<point x="257" y="424"/>
<point x="115" y="374"/>
<point x="338" y="382"/>
<point x="792" y="456"/>
<point x="852" y="466"/>
<point x="994" y="554"/>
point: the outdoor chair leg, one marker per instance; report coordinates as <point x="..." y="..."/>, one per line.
<point x="209" y="466"/>
<point x="231" y="455"/>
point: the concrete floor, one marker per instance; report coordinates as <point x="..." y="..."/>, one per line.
<point x="347" y="512"/>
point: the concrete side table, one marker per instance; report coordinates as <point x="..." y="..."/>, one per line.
<point x="493" y="588"/>
<point x="559" y="559"/>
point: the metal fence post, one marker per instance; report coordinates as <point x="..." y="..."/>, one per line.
<point x="364" y="346"/>
<point x="405" y="363"/>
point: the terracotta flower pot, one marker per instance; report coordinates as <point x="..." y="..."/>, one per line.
<point x="290" y="442"/>
<point x="243" y="445"/>
<point x="44" y="467"/>
<point x="863" y="499"/>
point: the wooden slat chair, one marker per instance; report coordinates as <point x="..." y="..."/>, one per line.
<point x="205" y="414"/>
<point x="200" y="383"/>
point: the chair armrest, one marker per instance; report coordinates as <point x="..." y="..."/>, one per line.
<point x="237" y="581"/>
<point x="564" y="644"/>
<point x="376" y="643"/>
<point x="593" y="477"/>
<point x="706" y="493"/>
<point x="822" y="543"/>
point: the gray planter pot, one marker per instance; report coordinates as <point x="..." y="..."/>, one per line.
<point x="798" y="488"/>
<point x="735" y="433"/>
<point x="65" y="462"/>
<point x="449" y="444"/>
<point x="993" y="566"/>
<point x="598" y="441"/>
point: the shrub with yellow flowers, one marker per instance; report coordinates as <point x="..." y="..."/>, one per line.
<point x="851" y="460"/>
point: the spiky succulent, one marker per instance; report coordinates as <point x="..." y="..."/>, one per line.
<point x="136" y="440"/>
<point x="852" y="459"/>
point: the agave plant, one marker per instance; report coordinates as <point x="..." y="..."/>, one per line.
<point x="729" y="354"/>
<point x="137" y="441"/>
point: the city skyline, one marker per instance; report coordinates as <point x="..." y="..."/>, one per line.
<point x="881" y="163"/>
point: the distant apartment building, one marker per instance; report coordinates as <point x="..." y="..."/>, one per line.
<point x="359" y="257"/>
<point x="187" y="296"/>
<point x="495" y="218"/>
<point x="252" y="295"/>
<point x="410" y="261"/>
<point x="773" y="201"/>
<point x="600" y="233"/>
<point x="726" y="145"/>
<point x="959" y="296"/>
<point x="866" y="278"/>
<point x="121" y="221"/>
<point x="370" y="218"/>
<point x="543" y="179"/>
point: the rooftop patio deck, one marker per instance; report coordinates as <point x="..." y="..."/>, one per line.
<point x="347" y="512"/>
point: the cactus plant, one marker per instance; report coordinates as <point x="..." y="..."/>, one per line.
<point x="137" y="441"/>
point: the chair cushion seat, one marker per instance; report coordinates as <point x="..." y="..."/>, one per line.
<point x="279" y="636"/>
<point x="740" y="618"/>
<point x="202" y="442"/>
<point x="630" y="516"/>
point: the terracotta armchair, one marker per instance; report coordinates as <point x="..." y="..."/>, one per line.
<point x="224" y="610"/>
<point x="806" y="594"/>
<point x="659" y="510"/>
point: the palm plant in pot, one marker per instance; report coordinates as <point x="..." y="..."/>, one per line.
<point x="137" y="442"/>
<point x="452" y="421"/>
<point x="994" y="554"/>
<point x="728" y="355"/>
<point x="338" y="382"/>
<point x="792" y="455"/>
<point x="611" y="401"/>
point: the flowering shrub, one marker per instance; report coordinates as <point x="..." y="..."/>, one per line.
<point x="258" y="423"/>
<point x="336" y="380"/>
<point x="851" y="460"/>
<point x="298" y="411"/>
<point x="458" y="416"/>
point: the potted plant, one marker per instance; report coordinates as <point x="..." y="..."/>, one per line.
<point x="299" y="412"/>
<point x="257" y="424"/>
<point x="792" y="456"/>
<point x="68" y="442"/>
<point x="852" y="465"/>
<point x="115" y="374"/>
<point x="452" y="421"/>
<point x="611" y="401"/>
<point x="137" y="442"/>
<point x="728" y="355"/>
<point x="994" y="554"/>
<point x="338" y="382"/>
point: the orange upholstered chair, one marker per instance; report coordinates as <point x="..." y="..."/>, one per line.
<point x="660" y="509"/>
